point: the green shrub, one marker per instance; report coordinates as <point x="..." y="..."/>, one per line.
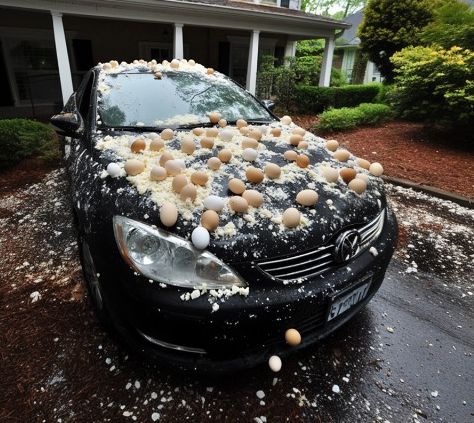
<point x="21" y="138"/>
<point x="345" y="118"/>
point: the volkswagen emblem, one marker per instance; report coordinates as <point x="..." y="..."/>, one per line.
<point x="347" y="246"/>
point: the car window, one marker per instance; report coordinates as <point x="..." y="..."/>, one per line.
<point x="176" y="99"/>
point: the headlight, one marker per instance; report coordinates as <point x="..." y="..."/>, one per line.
<point x="161" y="256"/>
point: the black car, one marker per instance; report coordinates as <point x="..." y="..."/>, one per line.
<point x="209" y="227"/>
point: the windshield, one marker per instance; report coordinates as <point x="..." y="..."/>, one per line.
<point x="176" y="99"/>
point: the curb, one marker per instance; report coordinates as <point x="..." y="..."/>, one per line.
<point x="436" y="192"/>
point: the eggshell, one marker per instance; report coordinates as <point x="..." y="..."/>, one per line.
<point x="173" y="167"/>
<point x="250" y="154"/>
<point x="238" y="204"/>
<point x="158" y="173"/>
<point x="253" y="197"/>
<point x="299" y="131"/>
<point x="199" y="177"/>
<point x="307" y="197"/>
<point x="347" y="174"/>
<point x="249" y="143"/>
<point x="188" y="191"/>
<point x="207" y="142"/>
<point x="199" y="131"/>
<point x="274" y="362"/>
<point x="210" y="220"/>
<point x="292" y="337"/>
<point x="138" y="145"/>
<point x="342" y="155"/>
<point x="376" y="169"/>
<point x="236" y="186"/>
<point x="134" y="167"/>
<point x="187" y="145"/>
<point x="272" y="170"/>
<point x="364" y="164"/>
<point x="168" y="214"/>
<point x="254" y="175"/>
<point x="222" y="123"/>
<point x="213" y="202"/>
<point x="295" y="139"/>
<point x="364" y="177"/>
<point x="113" y="169"/>
<point x="241" y="123"/>
<point x="331" y="174"/>
<point x="358" y="185"/>
<point x="179" y="182"/>
<point x="214" y="163"/>
<point x="286" y="120"/>
<point x="156" y="144"/>
<point x="214" y="117"/>
<point x="290" y="155"/>
<point x="291" y="217"/>
<point x="255" y="134"/>
<point x="302" y="160"/>
<point x="224" y="155"/>
<point x="276" y="132"/>
<point x="226" y="135"/>
<point x="167" y="134"/>
<point x="332" y="145"/>
<point x="164" y="158"/>
<point x="303" y="145"/>
<point x="200" y="237"/>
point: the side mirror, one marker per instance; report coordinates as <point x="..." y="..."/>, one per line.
<point x="269" y="104"/>
<point x="68" y="123"/>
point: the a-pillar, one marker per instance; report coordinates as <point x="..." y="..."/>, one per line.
<point x="325" y="77"/>
<point x="253" y="63"/>
<point x="178" y="49"/>
<point x="65" y="77"/>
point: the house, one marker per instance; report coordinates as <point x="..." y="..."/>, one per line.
<point x="48" y="45"/>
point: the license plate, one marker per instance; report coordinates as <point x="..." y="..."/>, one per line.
<point x="349" y="298"/>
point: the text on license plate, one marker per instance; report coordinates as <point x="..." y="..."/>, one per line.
<point x="345" y="301"/>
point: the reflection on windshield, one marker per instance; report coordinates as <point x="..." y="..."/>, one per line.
<point x="177" y="99"/>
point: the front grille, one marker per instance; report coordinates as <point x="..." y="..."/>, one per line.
<point x="314" y="262"/>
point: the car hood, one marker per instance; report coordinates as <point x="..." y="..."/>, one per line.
<point x="259" y="232"/>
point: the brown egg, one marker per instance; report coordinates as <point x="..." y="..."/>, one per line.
<point x="222" y="123"/>
<point x="199" y="177"/>
<point x="156" y="144"/>
<point x="376" y="169"/>
<point x="342" y="155"/>
<point x="164" y="158"/>
<point x="332" y="145"/>
<point x="249" y="143"/>
<point x="173" y="167"/>
<point x="179" y="182"/>
<point x="290" y="155"/>
<point x="292" y="337"/>
<point x="210" y="220"/>
<point x="158" y="173"/>
<point x="272" y="170"/>
<point x="241" y="123"/>
<point x="188" y="191"/>
<point x="303" y="145"/>
<point x="199" y="131"/>
<point x="174" y="63"/>
<point x="364" y="164"/>
<point x="254" y="175"/>
<point x="299" y="131"/>
<point x="253" y="197"/>
<point x="224" y="155"/>
<point x="167" y="134"/>
<point x="244" y="130"/>
<point x="210" y="71"/>
<point x="255" y="134"/>
<point x="134" y="167"/>
<point x="238" y="204"/>
<point x="168" y="214"/>
<point x="214" y="163"/>
<point x="291" y="217"/>
<point x="214" y="117"/>
<point x="358" y="185"/>
<point x="302" y="160"/>
<point x="158" y="75"/>
<point x="347" y="174"/>
<point x="307" y="197"/>
<point x="187" y="145"/>
<point x="207" y="142"/>
<point x="276" y="132"/>
<point x="286" y="120"/>
<point x="236" y="186"/>
<point x="295" y="139"/>
<point x="212" y="132"/>
<point x="138" y="145"/>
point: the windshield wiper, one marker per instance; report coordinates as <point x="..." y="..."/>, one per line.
<point x="133" y="128"/>
<point x="197" y="125"/>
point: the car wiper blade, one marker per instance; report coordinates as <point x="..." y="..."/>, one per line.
<point x="258" y="121"/>
<point x="134" y="128"/>
<point x="197" y="125"/>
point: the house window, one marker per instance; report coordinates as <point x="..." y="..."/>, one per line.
<point x="158" y="51"/>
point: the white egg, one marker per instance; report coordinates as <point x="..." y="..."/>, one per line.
<point x="113" y="169"/>
<point x="226" y="135"/>
<point x="214" y="202"/>
<point x="274" y="363"/>
<point x="200" y="237"/>
<point x="250" y="154"/>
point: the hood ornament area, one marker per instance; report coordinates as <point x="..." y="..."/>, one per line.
<point x="347" y="246"/>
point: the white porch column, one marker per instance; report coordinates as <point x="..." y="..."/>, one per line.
<point x="178" y="44"/>
<point x="325" y="77"/>
<point x="65" y="76"/>
<point x="290" y="49"/>
<point x="253" y="62"/>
